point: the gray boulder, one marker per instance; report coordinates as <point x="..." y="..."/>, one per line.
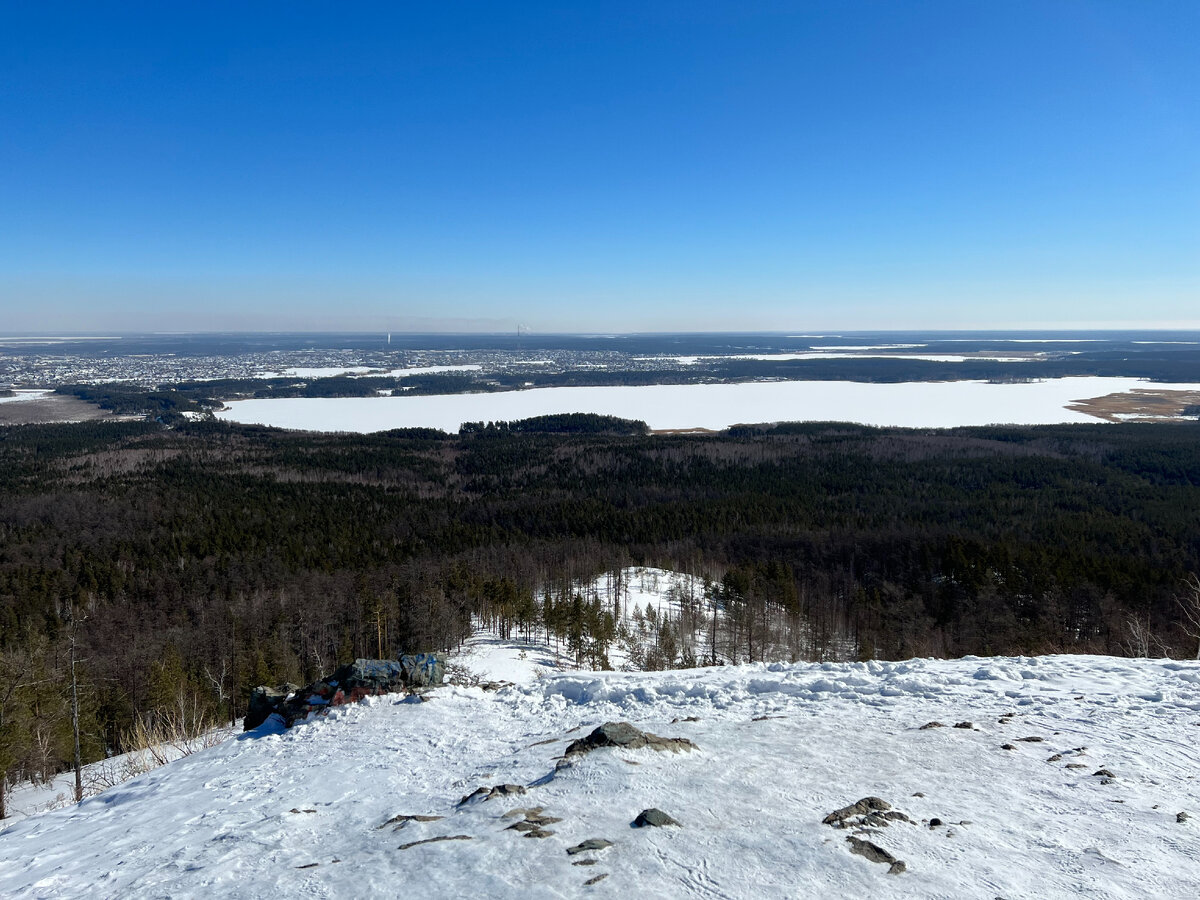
<point x="653" y="818"/>
<point x="626" y="737"/>
<point x="423" y="669"/>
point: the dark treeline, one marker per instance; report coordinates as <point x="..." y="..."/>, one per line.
<point x="191" y="564"/>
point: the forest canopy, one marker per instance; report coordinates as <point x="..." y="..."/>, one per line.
<point x="195" y="562"/>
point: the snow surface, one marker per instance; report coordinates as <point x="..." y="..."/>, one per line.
<point x="251" y="817"/>
<point x="716" y="406"/>
<point x="19" y="395"/>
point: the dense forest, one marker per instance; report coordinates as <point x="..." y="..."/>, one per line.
<point x="175" y="568"/>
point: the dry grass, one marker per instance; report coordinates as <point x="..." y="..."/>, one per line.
<point x="1140" y="405"/>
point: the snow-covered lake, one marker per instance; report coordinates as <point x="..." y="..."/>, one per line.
<point x="715" y="406"/>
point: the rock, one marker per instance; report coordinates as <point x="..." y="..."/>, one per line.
<point x="350" y="683"/>
<point x="533" y="820"/>
<point x="524" y="811"/>
<point x="688" y="719"/>
<point x="1103" y="773"/>
<point x="263" y="702"/>
<point x="1181" y="817"/>
<point x="625" y="736"/>
<point x="964" y="725"/>
<point x="402" y="820"/>
<point x="585" y="862"/>
<point x="895" y="815"/>
<point x="368" y="676"/>
<point x="1008" y="746"/>
<point x="598" y="878"/>
<point x="538" y="833"/>
<point x="589" y="844"/>
<point x="1033" y="739"/>
<point x="1076" y="765"/>
<point x="653" y="818"/>
<point x="874" y="853"/>
<point x="479" y="795"/>
<point x="897" y="868"/>
<point x="423" y="669"/>
<point x="918" y="794"/>
<point x="434" y="840"/>
<point x="932" y="725"/>
<point x="863" y="807"/>
<point x="935" y="822"/>
<point x="1055" y="758"/>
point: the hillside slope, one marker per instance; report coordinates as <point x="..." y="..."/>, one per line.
<point x="778" y="748"/>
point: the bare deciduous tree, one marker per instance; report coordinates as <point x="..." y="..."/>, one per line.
<point x="1189" y="603"/>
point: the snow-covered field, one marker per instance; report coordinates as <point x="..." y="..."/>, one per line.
<point x="19" y="395"/>
<point x="305" y="813"/>
<point x="716" y="406"/>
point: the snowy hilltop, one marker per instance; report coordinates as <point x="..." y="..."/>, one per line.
<point x="1049" y="777"/>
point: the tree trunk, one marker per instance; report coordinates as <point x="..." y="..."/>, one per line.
<point x="75" y="722"/>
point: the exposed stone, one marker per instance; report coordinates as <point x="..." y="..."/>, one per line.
<point x="482" y="794"/>
<point x="1076" y="765"/>
<point x="1008" y="747"/>
<point x="1103" y="773"/>
<point x="897" y="868"/>
<point x="874" y="853"/>
<point x="932" y="725"/>
<point x="434" y="840"/>
<point x="863" y="807"/>
<point x="1181" y="817"/>
<point x="350" y="683"/>
<point x="964" y="724"/>
<point x="524" y="811"/>
<point x="1055" y="758"/>
<point x="263" y="702"/>
<point x="589" y="844"/>
<point x="538" y="833"/>
<point x="595" y="880"/>
<point x="585" y="862"/>
<point x="653" y="817"/>
<point x="423" y="669"/>
<point x="533" y="821"/>
<point x="918" y="794"/>
<point x="935" y="822"/>
<point x="1032" y="739"/>
<point x="625" y="736"/>
<point x="402" y="820"/>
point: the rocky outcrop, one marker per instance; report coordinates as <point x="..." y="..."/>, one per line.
<point x="349" y="684"/>
<point x="625" y="736"/>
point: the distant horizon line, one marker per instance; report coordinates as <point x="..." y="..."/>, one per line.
<point x="790" y="333"/>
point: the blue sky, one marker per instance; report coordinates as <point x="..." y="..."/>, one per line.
<point x="599" y="166"/>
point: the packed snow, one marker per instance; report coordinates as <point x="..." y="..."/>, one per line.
<point x="312" y="811"/>
<point x="713" y="406"/>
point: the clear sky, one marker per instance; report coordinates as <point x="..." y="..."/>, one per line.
<point x="599" y="166"/>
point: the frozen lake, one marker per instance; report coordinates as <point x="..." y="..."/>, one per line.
<point x="715" y="406"/>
